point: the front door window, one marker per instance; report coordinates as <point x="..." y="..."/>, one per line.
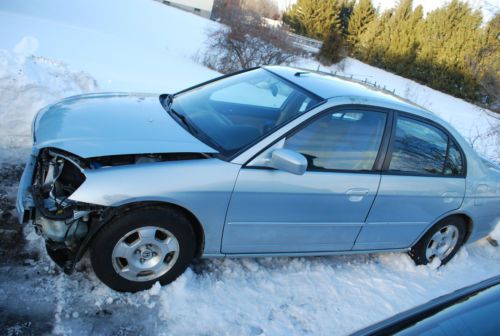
<point x="347" y="140"/>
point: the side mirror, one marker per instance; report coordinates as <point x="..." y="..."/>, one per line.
<point x="289" y="161"/>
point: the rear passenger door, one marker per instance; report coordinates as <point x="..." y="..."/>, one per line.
<point x="423" y="178"/>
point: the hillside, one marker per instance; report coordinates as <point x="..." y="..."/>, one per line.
<point x="128" y="45"/>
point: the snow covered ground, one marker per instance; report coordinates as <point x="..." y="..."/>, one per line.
<point x="127" y="45"/>
<point x="267" y="296"/>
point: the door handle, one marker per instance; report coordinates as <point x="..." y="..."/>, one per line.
<point x="357" y="194"/>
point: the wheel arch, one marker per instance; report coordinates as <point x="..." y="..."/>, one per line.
<point x="114" y="212"/>
<point x="469" y="225"/>
<point x="468" y="222"/>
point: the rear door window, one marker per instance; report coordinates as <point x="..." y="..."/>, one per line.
<point x="424" y="149"/>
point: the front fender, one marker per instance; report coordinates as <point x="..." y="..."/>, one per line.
<point x="203" y="187"/>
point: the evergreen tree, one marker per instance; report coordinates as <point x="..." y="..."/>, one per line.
<point x="346" y="9"/>
<point x="333" y="49"/>
<point x="391" y="41"/>
<point x="449" y="50"/>
<point x="488" y="69"/>
<point x="450" y="45"/>
<point x="402" y="40"/>
<point x="370" y="47"/>
<point x="363" y="13"/>
<point x="314" y="18"/>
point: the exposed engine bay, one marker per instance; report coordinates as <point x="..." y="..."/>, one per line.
<point x="66" y="225"/>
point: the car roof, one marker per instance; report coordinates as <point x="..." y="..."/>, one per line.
<point x="327" y="86"/>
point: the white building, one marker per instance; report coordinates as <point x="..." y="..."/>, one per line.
<point x="199" y="7"/>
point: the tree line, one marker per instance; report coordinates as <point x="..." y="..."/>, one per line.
<point x="450" y="49"/>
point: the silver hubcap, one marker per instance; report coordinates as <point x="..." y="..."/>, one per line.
<point x="442" y="243"/>
<point x="145" y="254"/>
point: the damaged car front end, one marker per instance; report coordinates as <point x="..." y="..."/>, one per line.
<point x="67" y="225"/>
<point x="68" y="140"/>
<point x="50" y="178"/>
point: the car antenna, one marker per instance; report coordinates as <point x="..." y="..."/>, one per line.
<point x="299" y="73"/>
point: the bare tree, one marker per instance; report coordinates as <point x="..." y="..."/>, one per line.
<point x="245" y="41"/>
<point x="265" y="8"/>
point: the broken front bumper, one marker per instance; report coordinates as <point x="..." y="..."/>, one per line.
<point x="24" y="202"/>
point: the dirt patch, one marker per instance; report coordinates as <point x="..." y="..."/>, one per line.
<point x="11" y="232"/>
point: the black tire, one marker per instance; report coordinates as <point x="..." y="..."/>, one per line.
<point x="101" y="250"/>
<point x="418" y="251"/>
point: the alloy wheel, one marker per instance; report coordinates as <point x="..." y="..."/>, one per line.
<point x="145" y="253"/>
<point x="442" y="243"/>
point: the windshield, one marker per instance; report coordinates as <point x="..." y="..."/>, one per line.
<point x="234" y="112"/>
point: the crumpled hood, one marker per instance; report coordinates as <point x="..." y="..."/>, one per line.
<point x="104" y="124"/>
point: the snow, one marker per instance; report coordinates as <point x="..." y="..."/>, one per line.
<point x="266" y="296"/>
<point x="26" y="47"/>
<point x="28" y="83"/>
<point x="143" y="48"/>
<point x="309" y="295"/>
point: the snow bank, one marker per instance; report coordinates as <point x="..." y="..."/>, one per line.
<point x="128" y="45"/>
<point x="28" y="83"/>
<point x="267" y="296"/>
<point x="480" y="126"/>
<point x="315" y="296"/>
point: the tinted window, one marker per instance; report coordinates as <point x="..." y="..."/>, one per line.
<point x="422" y="148"/>
<point x="347" y="140"/>
<point x="454" y="164"/>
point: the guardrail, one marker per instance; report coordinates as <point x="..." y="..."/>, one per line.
<point x="305" y="43"/>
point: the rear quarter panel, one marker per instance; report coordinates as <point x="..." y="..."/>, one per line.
<point x="482" y="201"/>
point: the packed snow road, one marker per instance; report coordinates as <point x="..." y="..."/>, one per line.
<point x="267" y="296"/>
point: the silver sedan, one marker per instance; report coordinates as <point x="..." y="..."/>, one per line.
<point x="266" y="162"/>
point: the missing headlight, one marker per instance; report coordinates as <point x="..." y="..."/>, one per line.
<point x="57" y="176"/>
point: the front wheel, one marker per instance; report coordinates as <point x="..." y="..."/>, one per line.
<point x="141" y="247"/>
<point x="441" y="242"/>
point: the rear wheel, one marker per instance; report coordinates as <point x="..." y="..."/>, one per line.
<point x="141" y="247"/>
<point x="442" y="241"/>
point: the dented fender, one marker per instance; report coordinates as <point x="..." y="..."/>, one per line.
<point x="203" y="188"/>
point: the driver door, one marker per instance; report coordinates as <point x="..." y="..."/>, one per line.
<point x="274" y="211"/>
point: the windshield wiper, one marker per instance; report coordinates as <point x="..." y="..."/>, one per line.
<point x="166" y="100"/>
<point x="184" y="120"/>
